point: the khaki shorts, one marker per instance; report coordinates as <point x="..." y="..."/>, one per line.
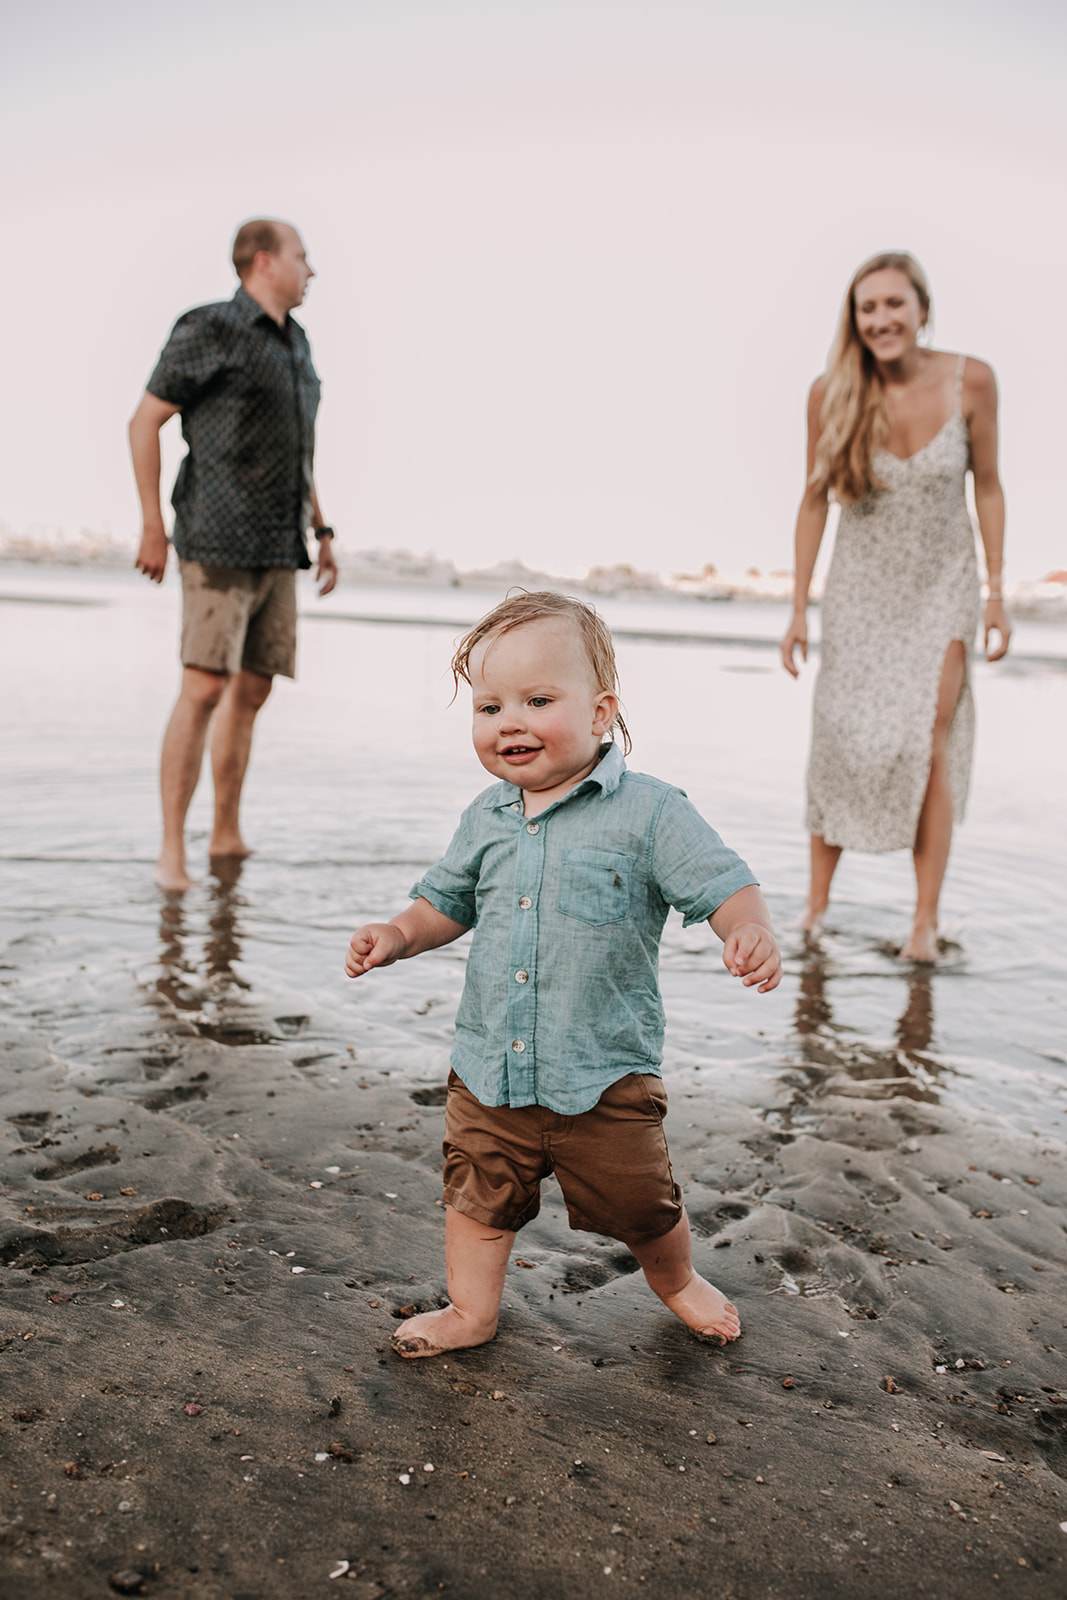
<point x="612" y="1162"/>
<point x="238" y="618"/>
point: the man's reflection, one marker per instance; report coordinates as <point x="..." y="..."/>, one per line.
<point x="182" y="981"/>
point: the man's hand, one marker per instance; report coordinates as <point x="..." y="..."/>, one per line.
<point x="152" y="555"/>
<point x="326" y="569"/>
<point x="379" y="944"/>
<point x="751" y="953"/>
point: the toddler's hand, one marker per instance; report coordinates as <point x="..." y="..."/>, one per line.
<point x="379" y="944"/>
<point x="751" y="953"/>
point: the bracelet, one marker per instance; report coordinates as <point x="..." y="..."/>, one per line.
<point x="323" y="533"/>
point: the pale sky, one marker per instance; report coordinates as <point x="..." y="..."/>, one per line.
<point x="578" y="259"/>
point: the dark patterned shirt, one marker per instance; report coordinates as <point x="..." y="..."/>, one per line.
<point x="248" y="395"/>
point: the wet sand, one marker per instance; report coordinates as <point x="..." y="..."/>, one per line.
<point x="219" y="1184"/>
<point x="210" y="1230"/>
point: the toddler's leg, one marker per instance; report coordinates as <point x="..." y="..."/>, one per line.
<point x="476" y="1258"/>
<point x="668" y="1266"/>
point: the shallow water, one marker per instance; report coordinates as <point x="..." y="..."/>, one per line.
<point x="360" y="771"/>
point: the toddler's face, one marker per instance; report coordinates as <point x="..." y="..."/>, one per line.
<point x="539" y="716"/>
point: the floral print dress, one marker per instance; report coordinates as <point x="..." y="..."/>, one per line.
<point x="902" y="585"/>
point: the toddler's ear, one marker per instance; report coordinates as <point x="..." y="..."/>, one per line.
<point x="605" y="711"/>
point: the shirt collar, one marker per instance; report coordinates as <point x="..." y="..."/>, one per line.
<point x="605" y="776"/>
<point x="249" y="309"/>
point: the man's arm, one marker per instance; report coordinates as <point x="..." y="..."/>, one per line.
<point x="145" y="425"/>
<point x="326" y="569"/>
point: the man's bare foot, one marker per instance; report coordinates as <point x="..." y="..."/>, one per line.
<point x="230" y="845"/>
<point x="922" y="942"/>
<point x="432" y="1333"/>
<point x="705" y="1310"/>
<point x="170" y="874"/>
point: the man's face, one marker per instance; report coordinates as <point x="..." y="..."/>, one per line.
<point x="289" y="270"/>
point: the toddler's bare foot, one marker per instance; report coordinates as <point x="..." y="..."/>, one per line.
<point x="432" y="1333"/>
<point x="705" y="1311"/>
<point x="922" y="942"/>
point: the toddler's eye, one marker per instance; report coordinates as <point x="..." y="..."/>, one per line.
<point x="489" y="710"/>
<point x="539" y="700"/>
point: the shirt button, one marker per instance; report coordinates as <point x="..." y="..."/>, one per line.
<point x="516" y="805"/>
<point x="533" y="827"/>
<point x="518" y="1046"/>
<point x="522" y="977"/>
<point x="525" y="903"/>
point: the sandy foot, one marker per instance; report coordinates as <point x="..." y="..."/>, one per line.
<point x="432" y="1333"/>
<point x="705" y="1311"/>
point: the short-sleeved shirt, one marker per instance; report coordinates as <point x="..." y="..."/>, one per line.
<point x="248" y="394"/>
<point x="562" y="997"/>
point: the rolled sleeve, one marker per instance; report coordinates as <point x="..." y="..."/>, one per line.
<point x="694" y="871"/>
<point x="190" y="360"/>
<point x="451" y="886"/>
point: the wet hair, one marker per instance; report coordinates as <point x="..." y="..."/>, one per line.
<point x="262" y="233"/>
<point x="521" y="607"/>
<point x="853" y="416"/>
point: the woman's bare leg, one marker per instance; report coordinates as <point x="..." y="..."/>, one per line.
<point x="668" y="1267"/>
<point x="933" y="836"/>
<point x="477" y="1261"/>
<point x="824" y="859"/>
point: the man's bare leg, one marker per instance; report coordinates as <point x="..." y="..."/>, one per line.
<point x="824" y="859"/>
<point x="179" y="771"/>
<point x="933" y="836"/>
<point x="231" y="746"/>
<point x="668" y="1267"/>
<point x="477" y="1261"/>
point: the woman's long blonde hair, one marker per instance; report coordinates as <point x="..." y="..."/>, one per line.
<point x="853" y="417"/>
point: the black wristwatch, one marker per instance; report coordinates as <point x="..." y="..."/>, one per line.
<point x="323" y="533"/>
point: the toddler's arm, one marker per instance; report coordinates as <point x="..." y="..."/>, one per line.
<point x="419" y="927"/>
<point x="750" y="950"/>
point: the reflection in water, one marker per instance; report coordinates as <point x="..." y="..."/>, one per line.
<point x="828" y="1047"/>
<point x="183" y="982"/>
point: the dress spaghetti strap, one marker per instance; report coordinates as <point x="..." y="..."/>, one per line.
<point x="960" y="364"/>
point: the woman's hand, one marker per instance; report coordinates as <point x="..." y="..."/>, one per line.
<point x="797" y="635"/>
<point x="996" y="621"/>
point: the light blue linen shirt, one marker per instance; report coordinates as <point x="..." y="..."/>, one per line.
<point x="561" y="996"/>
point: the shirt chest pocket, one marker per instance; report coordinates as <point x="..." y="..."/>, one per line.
<point x="595" y="886"/>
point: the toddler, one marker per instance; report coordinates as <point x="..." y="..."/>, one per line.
<point x="566" y="869"/>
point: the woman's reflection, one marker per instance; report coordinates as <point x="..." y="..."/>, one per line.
<point x="824" y="1046"/>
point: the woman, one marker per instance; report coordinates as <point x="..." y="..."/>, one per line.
<point x="893" y="428"/>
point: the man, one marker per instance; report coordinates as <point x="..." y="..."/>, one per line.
<point x="240" y="374"/>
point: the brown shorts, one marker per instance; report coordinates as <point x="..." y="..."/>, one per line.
<point x="612" y="1162"/>
<point x="238" y="618"/>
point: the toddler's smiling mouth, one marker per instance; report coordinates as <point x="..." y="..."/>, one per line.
<point x="516" y="751"/>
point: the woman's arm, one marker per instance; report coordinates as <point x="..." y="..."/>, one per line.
<point x="980" y="415"/>
<point x="811" y="523"/>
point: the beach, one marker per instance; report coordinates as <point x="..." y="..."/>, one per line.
<point x="219" y="1160"/>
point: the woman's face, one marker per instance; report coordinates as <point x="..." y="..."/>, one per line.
<point x="888" y="313"/>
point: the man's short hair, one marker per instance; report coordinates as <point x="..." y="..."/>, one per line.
<point x="262" y="233"/>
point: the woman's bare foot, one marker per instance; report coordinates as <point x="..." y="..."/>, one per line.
<point x="811" y="920"/>
<point x="705" y="1310"/>
<point x="433" y="1333"/>
<point x="922" y="942"/>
